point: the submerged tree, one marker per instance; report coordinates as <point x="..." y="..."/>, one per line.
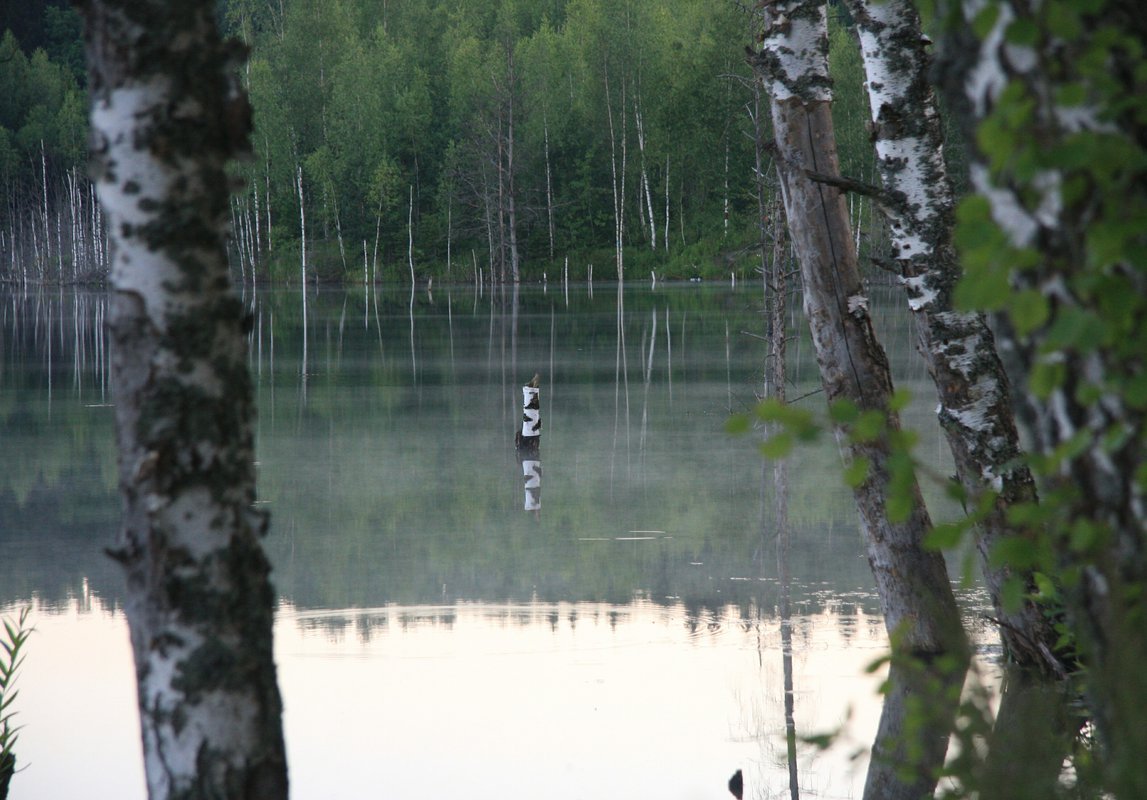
<point x="165" y="121"/>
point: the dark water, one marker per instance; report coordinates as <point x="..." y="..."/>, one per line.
<point x="435" y="636"/>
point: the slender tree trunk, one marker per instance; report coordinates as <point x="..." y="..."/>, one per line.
<point x="302" y="225"/>
<point x="916" y="595"/>
<point x="515" y="266"/>
<point x="410" y="236"/>
<point x="165" y="120"/>
<point x="549" y="184"/>
<point x="618" y="174"/>
<point x="500" y="147"/>
<point x="44" y="210"/>
<point x="648" y="195"/>
<point x="975" y="408"/>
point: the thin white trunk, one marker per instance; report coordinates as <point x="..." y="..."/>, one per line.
<point x="410" y="236"/>
<point x="549" y="184"/>
<point x="645" y="174"/>
<point x="302" y="225"/>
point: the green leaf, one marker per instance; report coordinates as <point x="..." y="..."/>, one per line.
<point x="984" y="21"/>
<point x="1015" y="552"/>
<point x="1047" y="376"/>
<point x="1023" y="32"/>
<point x="1029" y="310"/>
<point x="777" y="446"/>
<point x="857" y="472"/>
<point x="1012" y="594"/>
<point x="868" y="426"/>
<point x="944" y="536"/>
<point x="738" y="424"/>
<point x="843" y="411"/>
<point x="1086" y="536"/>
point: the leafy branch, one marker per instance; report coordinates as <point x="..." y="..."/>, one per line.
<point x="15" y="636"/>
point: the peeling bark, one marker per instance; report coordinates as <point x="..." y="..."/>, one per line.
<point x="916" y="595"/>
<point x="975" y="408"/>
<point x="165" y="120"/>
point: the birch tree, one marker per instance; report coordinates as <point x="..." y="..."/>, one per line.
<point x="916" y="595"/>
<point x="975" y="408"/>
<point x="1055" y="240"/>
<point x="165" y="120"/>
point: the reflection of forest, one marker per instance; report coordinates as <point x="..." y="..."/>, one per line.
<point x="393" y="479"/>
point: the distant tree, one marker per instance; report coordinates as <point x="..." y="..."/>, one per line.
<point x="166" y="118"/>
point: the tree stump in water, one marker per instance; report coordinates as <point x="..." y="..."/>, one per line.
<point x="527" y="441"/>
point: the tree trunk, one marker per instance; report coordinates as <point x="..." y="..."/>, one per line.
<point x="549" y="185"/>
<point x="916" y="595"/>
<point x="975" y="408"/>
<point x="302" y="226"/>
<point x="165" y="120"/>
<point x="1074" y="217"/>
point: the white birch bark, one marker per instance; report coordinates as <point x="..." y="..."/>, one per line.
<point x="648" y="195"/>
<point x="549" y="184"/>
<point x="916" y="595"/>
<point x="1053" y="211"/>
<point x="198" y="601"/>
<point x="975" y="408"/>
<point x="302" y="226"/>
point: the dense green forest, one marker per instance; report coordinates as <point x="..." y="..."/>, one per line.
<point x="439" y="139"/>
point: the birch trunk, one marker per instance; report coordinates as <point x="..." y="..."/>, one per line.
<point x="302" y="226"/>
<point x="975" y="409"/>
<point x="198" y="600"/>
<point x="515" y="264"/>
<point x="643" y="190"/>
<point x="916" y="595"/>
<point x="549" y="184"/>
<point x="1085" y="415"/>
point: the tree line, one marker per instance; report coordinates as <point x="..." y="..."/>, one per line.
<point x="437" y="139"/>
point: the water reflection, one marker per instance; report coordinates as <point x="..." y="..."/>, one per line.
<point x="636" y="624"/>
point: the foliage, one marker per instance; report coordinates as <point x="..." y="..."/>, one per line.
<point x="377" y="101"/>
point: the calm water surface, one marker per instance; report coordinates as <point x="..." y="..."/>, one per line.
<point x="435" y="637"/>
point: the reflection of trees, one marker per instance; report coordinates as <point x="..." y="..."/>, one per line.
<point x="347" y="532"/>
<point x="53" y="533"/>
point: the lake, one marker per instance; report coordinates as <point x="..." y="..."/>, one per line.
<point x="442" y="630"/>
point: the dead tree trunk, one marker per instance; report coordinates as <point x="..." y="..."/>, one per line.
<point x="165" y="120"/>
<point x="975" y="408"/>
<point x="916" y="595"/>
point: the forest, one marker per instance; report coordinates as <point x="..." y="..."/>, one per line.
<point x="440" y="139"/>
<point x="504" y="142"/>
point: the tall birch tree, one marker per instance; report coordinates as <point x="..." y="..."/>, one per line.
<point x="975" y="408"/>
<point x="1056" y="239"/>
<point x="166" y="118"/>
<point x="792" y="62"/>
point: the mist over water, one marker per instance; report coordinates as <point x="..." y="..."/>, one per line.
<point x="438" y="633"/>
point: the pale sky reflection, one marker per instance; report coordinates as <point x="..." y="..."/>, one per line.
<point x="479" y="701"/>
